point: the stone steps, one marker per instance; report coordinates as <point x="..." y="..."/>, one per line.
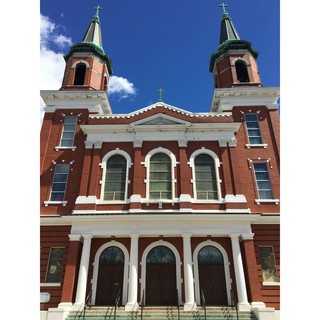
<point x="160" y="313"/>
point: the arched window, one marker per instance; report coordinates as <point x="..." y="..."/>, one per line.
<point x="206" y="177"/>
<point x="80" y="74"/>
<point x="242" y="71"/>
<point x="115" y="179"/>
<point x="160" y="178"/>
<point x="210" y="255"/>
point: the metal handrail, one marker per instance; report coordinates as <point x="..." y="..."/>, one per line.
<point x="203" y="302"/>
<point x="82" y="312"/>
<point x="178" y="305"/>
<point x="234" y="302"/>
<point x="116" y="302"/>
<point x="141" y="305"/>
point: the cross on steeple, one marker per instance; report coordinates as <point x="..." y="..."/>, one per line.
<point x="98" y="8"/>
<point x="160" y="94"/>
<point x="224" y="7"/>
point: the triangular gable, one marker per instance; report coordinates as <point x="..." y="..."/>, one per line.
<point x="160" y="119"/>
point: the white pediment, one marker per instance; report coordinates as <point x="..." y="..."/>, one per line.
<point x="160" y="119"/>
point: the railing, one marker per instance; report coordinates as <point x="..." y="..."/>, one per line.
<point x="82" y="312"/>
<point x="204" y="305"/>
<point x="234" y="302"/>
<point x="142" y="305"/>
<point x="178" y="304"/>
<point x="116" y="301"/>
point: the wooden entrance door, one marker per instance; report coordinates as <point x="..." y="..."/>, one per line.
<point x="212" y="281"/>
<point x="161" y="284"/>
<point x="110" y="276"/>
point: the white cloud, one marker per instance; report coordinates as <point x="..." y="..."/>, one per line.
<point x="121" y="86"/>
<point x="62" y="40"/>
<point x="52" y="63"/>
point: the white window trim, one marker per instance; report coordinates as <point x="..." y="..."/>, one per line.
<point x="217" y="166"/>
<point x="74" y="65"/>
<point x="271" y="284"/>
<point x="249" y="145"/>
<point x="57" y="148"/>
<point x="144" y="267"/>
<point x="259" y="201"/>
<point x="125" y="270"/>
<point x="50" y="284"/>
<point x="173" y="179"/>
<point x="196" y="268"/>
<point x="54" y="203"/>
<point x="103" y="165"/>
<point x="260" y="145"/>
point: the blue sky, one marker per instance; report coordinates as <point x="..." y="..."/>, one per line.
<point x="164" y="43"/>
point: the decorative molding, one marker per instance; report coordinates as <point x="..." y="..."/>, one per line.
<point x="50" y="284"/>
<point x="238" y="198"/>
<point x="93" y="101"/>
<point x="227" y="98"/>
<point x="73" y="148"/>
<point x="86" y="200"/>
<point x="165" y="106"/>
<point x="74" y="237"/>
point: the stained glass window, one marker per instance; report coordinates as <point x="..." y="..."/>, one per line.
<point x="161" y="254"/>
<point x="210" y="255"/>
<point x="160" y="177"/>
<point x="253" y="128"/>
<point x="60" y="179"/>
<point x="116" y="174"/>
<point x="69" y="129"/>
<point x="206" y="178"/>
<point x="268" y="264"/>
<point x="112" y="255"/>
<point x="55" y="265"/>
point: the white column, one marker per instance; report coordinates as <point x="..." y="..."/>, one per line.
<point x="83" y="270"/>
<point x="132" y="303"/>
<point x="189" y="304"/>
<point x="243" y="303"/>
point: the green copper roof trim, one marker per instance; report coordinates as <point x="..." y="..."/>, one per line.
<point x="90" y="47"/>
<point x="231" y="45"/>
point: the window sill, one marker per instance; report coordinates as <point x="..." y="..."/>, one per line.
<point x="259" y="201"/>
<point x="267" y="284"/>
<point x="262" y="145"/>
<point x="55" y="203"/>
<point x="50" y="284"/>
<point x="112" y="201"/>
<point x="73" y="148"/>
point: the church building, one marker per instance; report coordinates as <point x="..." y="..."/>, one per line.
<point x="161" y="208"/>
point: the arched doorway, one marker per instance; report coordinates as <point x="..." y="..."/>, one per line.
<point x="161" y="281"/>
<point x="212" y="277"/>
<point x="110" y="276"/>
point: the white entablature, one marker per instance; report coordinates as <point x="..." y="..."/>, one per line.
<point x="222" y="132"/>
<point x="94" y="101"/>
<point x="225" y="99"/>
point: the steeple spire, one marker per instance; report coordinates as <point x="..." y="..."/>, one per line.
<point x="227" y="30"/>
<point x="93" y="33"/>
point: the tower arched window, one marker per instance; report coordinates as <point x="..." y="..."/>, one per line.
<point x="115" y="178"/>
<point x="160" y="179"/>
<point x="80" y="73"/>
<point x="242" y="71"/>
<point x="206" y="177"/>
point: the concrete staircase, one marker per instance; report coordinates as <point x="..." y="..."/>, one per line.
<point x="160" y="313"/>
